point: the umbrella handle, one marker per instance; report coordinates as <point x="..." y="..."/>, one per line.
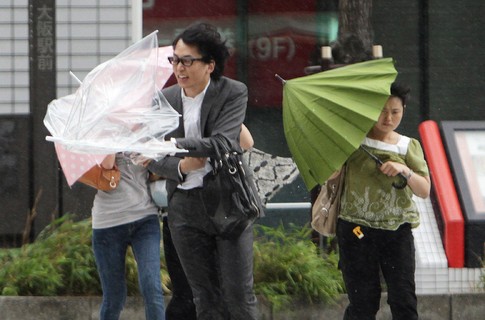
<point x="398" y="185"/>
<point x="402" y="183"/>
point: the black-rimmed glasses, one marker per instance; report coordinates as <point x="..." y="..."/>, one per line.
<point x="186" y="61"/>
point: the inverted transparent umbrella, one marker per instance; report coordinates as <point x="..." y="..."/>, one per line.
<point x="327" y="115"/>
<point x="118" y="107"/>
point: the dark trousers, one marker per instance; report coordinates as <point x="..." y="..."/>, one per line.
<point x="393" y="253"/>
<point x="181" y="306"/>
<point x="219" y="271"/>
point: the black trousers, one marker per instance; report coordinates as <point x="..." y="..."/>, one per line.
<point x="181" y="306"/>
<point x="219" y="271"/>
<point x="393" y="253"/>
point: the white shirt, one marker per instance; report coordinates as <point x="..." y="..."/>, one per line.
<point x="191" y="110"/>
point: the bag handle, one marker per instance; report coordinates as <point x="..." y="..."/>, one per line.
<point x="222" y="150"/>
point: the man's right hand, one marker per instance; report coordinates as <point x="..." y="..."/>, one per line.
<point x="188" y="164"/>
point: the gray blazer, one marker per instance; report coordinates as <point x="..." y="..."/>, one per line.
<point x="223" y="111"/>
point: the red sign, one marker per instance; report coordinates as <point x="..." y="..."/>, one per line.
<point x="284" y="52"/>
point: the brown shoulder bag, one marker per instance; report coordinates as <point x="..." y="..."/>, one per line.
<point x="102" y="179"/>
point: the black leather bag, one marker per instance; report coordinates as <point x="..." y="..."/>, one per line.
<point x="230" y="195"/>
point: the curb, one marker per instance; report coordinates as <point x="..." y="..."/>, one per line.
<point x="470" y="306"/>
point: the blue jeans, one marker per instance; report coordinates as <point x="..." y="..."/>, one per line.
<point x="110" y="246"/>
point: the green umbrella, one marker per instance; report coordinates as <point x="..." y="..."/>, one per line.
<point x="327" y="115"/>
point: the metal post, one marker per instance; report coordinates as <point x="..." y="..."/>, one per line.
<point x="44" y="184"/>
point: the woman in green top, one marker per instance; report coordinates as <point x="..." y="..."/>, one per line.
<point x="374" y="228"/>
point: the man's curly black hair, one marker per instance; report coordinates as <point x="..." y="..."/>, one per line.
<point x="209" y="42"/>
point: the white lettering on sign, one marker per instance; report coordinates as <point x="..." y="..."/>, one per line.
<point x="272" y="48"/>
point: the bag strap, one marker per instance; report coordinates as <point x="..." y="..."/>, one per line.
<point x="342" y="180"/>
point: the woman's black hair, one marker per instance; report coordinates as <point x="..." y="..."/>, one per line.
<point x="209" y="43"/>
<point x="401" y="91"/>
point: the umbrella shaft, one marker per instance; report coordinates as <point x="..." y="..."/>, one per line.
<point x="376" y="159"/>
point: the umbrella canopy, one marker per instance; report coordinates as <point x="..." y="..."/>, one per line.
<point x="327" y="115"/>
<point x="118" y="107"/>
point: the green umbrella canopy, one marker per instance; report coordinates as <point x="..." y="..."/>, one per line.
<point x="327" y="115"/>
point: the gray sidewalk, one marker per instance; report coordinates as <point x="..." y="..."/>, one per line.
<point x="431" y="307"/>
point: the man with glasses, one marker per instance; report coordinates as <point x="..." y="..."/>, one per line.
<point x="219" y="270"/>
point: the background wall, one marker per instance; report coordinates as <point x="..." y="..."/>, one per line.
<point x="439" y="49"/>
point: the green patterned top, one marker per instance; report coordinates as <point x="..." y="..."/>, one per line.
<point x="369" y="198"/>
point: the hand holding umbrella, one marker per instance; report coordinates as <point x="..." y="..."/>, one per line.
<point x="398" y="185"/>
